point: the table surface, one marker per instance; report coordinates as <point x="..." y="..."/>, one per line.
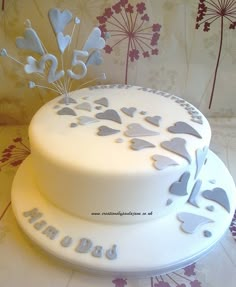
<point x="23" y="264"/>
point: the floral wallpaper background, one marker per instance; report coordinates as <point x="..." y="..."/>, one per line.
<point x="186" y="47"/>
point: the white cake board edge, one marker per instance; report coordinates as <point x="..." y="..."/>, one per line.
<point x="151" y="248"/>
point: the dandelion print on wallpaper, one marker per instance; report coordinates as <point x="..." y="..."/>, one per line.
<point x="129" y="24"/>
<point x="211" y="12"/>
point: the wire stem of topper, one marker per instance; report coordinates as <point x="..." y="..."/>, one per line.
<point x="46" y="66"/>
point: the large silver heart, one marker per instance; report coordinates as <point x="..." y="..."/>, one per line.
<point x="177" y="146"/>
<point x="110" y="115"/>
<point x="59" y="19"/>
<point x="218" y="195"/>
<point x="30" y="41"/>
<point x="180" y="187"/>
<point x="190" y="221"/>
<point x="94" y="41"/>
<point x="183" y="128"/>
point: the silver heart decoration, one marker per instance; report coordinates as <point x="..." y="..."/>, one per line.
<point x="218" y="195"/>
<point x="27" y="23"/>
<point x="106" y="131"/>
<point x="77" y="20"/>
<point x="138" y="144"/>
<point x="194" y="193"/>
<point x="63" y="41"/>
<point x="177" y="146"/>
<point x="59" y="19"/>
<point x="183" y="128"/>
<point x="66" y="112"/>
<point x="162" y="162"/>
<point x="32" y="66"/>
<point x="103" y="101"/>
<point x="3" y="52"/>
<point x="30" y="41"/>
<point x="84" y="120"/>
<point x="84" y="107"/>
<point x="69" y="101"/>
<point x="31" y="84"/>
<point x="190" y="221"/>
<point x="94" y="41"/>
<point x="180" y="187"/>
<point x="129" y="111"/>
<point x="154" y="120"/>
<point x="95" y="58"/>
<point x="110" y="115"/>
<point x="137" y="130"/>
<point x="201" y="155"/>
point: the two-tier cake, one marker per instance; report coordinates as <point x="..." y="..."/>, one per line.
<point x="121" y="180"/>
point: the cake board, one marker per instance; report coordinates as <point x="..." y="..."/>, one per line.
<point x="153" y="247"/>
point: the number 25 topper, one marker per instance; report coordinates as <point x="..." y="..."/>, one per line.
<point x="46" y="66"/>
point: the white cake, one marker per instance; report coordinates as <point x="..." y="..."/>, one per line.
<point x="116" y="160"/>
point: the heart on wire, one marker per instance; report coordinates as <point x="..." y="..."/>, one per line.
<point x="63" y="41"/>
<point x="59" y="19"/>
<point x="30" y="41"/>
<point x="94" y="41"/>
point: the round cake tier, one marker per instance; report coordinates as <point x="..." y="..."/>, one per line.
<point x="119" y="154"/>
<point x="147" y="248"/>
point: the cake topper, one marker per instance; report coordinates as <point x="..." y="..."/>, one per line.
<point x="48" y="67"/>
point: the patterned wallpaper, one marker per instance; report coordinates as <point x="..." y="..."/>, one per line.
<point x="187" y="47"/>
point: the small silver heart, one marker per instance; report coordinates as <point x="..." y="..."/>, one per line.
<point x="31" y="84"/>
<point x="84" y="120"/>
<point x="63" y="41"/>
<point x="102" y="101"/>
<point x="27" y="23"/>
<point x="66" y="112"/>
<point x="106" y="131"/>
<point x="69" y="100"/>
<point x="110" y="115"/>
<point x="84" y="106"/>
<point x="137" y="130"/>
<point x="138" y="144"/>
<point x="3" y="52"/>
<point x="129" y="111"/>
<point x="77" y="20"/>
<point x="154" y="120"/>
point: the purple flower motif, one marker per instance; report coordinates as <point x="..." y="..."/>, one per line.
<point x="128" y="23"/>
<point x="120" y="282"/>
<point x="208" y="13"/>
<point x="162" y="284"/>
<point x="189" y="270"/>
<point x="195" y="283"/>
<point x="14" y="154"/>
